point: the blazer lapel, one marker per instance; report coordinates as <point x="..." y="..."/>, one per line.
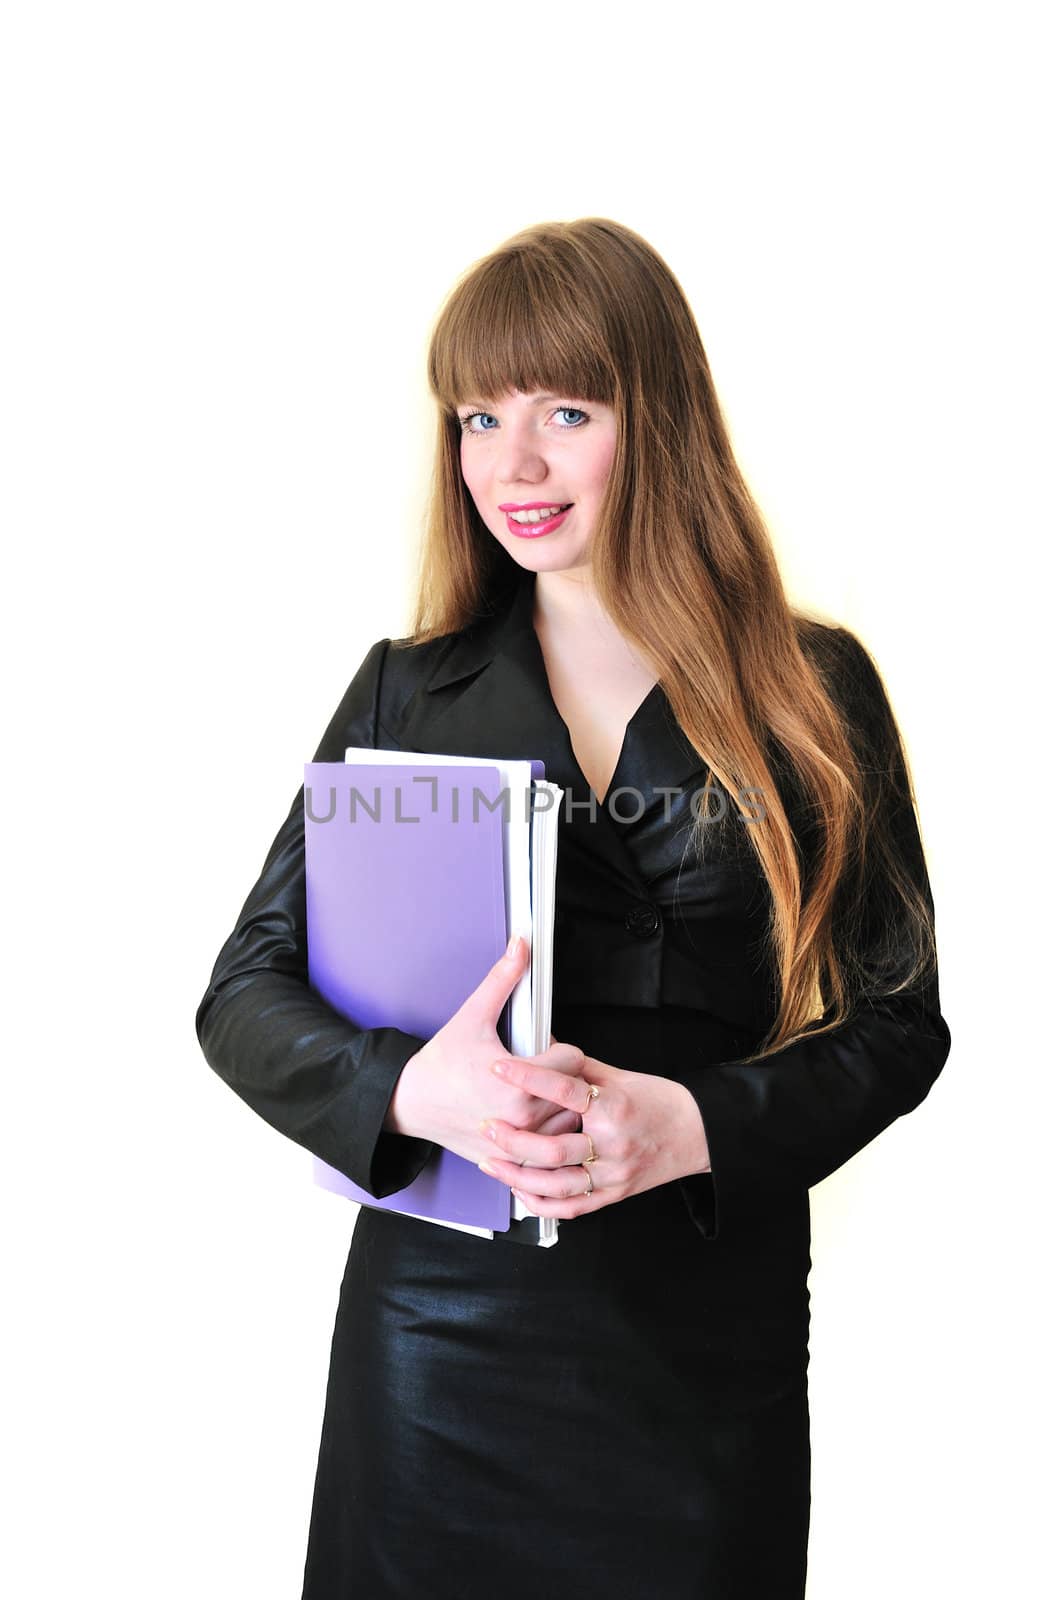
<point x="498" y="704"/>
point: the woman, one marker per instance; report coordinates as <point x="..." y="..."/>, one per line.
<point x="745" y="983"/>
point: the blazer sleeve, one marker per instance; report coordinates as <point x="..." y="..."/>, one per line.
<point x="777" y="1127"/>
<point x="307" y="1070"/>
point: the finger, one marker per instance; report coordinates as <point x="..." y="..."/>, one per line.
<point x="560" y="1087"/>
<point x="555" y="1183"/>
<point x="562" y="1057"/>
<point x="565" y="1210"/>
<point x="558" y="1121"/>
<point x="488" y="998"/>
<point x="536" y="1149"/>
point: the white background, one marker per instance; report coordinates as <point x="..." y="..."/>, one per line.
<point x="228" y="230"/>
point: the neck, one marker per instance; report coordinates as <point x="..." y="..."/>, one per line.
<point x="569" y="600"/>
<point x="567" y="611"/>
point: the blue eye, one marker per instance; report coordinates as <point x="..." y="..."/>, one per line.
<point x="470" y="416"/>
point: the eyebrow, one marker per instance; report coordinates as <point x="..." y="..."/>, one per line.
<point x="532" y="399"/>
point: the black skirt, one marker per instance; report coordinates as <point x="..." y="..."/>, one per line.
<point x="625" y="1412"/>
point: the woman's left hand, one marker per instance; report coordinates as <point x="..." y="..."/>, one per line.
<point x="646" y="1130"/>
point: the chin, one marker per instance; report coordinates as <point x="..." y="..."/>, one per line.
<point x="540" y="555"/>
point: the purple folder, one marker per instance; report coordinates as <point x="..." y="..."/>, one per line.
<point x="405" y="914"/>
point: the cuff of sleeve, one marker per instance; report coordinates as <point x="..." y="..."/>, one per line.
<point x="699" y="1193"/>
<point x="383" y="1162"/>
<point x="723" y="1190"/>
<point x="397" y="1160"/>
<point x="699" y="1188"/>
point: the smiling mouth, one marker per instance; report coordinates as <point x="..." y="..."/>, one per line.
<point x="534" y="524"/>
<point x="531" y="516"/>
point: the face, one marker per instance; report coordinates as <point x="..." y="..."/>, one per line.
<point x="532" y="451"/>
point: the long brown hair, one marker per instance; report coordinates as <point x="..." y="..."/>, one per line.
<point x="682" y="561"/>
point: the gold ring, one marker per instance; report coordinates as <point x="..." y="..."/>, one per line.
<point x="590" y="1184"/>
<point x="592" y="1094"/>
<point x="592" y="1156"/>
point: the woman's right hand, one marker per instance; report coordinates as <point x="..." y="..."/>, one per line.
<point x="448" y="1088"/>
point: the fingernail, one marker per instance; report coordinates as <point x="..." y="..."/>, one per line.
<point x="499" y="1067"/>
<point x="511" y="947"/>
<point x="485" y="1166"/>
<point x="485" y="1127"/>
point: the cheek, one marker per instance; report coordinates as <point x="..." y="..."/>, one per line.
<point x="601" y="466"/>
<point x="472" y="471"/>
<point x="478" y="481"/>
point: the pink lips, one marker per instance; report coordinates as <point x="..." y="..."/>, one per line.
<point x="529" y="505"/>
<point x="534" y="530"/>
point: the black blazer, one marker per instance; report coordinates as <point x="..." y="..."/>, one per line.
<point x="631" y="933"/>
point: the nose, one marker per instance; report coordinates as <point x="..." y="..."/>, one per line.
<point x="520" y="460"/>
